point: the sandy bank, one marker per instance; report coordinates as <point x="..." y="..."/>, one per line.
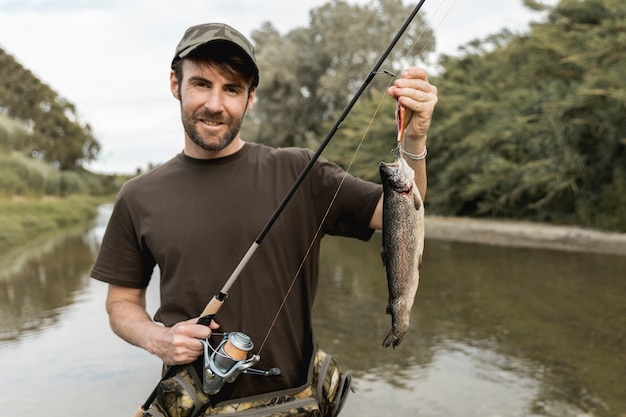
<point x="525" y="234"/>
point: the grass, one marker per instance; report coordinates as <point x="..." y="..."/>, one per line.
<point x="23" y="220"/>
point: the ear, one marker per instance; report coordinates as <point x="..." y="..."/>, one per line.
<point x="251" y="99"/>
<point x="174" y="86"/>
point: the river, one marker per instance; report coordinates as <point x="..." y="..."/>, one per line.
<point x="495" y="331"/>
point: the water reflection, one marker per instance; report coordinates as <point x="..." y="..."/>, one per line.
<point x="553" y="323"/>
<point x="495" y="331"/>
<point x="40" y="283"/>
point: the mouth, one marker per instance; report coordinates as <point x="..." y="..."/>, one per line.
<point x="212" y="123"/>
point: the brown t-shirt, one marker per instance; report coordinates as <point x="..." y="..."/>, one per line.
<point x="196" y="219"/>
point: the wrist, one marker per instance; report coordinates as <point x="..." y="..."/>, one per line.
<point x="414" y="156"/>
<point x="414" y="140"/>
<point x="153" y="338"/>
<point x="414" y="143"/>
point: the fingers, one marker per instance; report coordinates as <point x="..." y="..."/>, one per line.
<point x="199" y="331"/>
<point x="418" y="96"/>
<point x="181" y="343"/>
<point x="413" y="88"/>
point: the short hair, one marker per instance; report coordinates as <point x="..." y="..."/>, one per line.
<point x="225" y="56"/>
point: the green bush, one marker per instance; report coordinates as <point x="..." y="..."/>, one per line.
<point x="24" y="176"/>
<point x="71" y="183"/>
<point x="12" y="134"/>
<point x="27" y="219"/>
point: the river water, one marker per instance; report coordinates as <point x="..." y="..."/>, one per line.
<point x="495" y="331"/>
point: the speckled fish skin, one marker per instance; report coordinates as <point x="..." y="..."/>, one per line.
<point x="403" y="243"/>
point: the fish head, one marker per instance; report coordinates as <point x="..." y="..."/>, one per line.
<point x="398" y="175"/>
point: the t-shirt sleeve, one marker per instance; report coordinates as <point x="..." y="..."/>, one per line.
<point x="122" y="259"/>
<point x="351" y="207"/>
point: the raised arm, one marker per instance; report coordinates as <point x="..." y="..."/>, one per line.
<point x="418" y="97"/>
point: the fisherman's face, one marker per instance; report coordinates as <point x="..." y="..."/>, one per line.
<point x="213" y="106"/>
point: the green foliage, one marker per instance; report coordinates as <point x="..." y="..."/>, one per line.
<point x="24" y="220"/>
<point x="310" y="74"/>
<point x="42" y="145"/>
<point x="26" y="177"/>
<point x="52" y="130"/>
<point x="30" y="177"/>
<point x="533" y="126"/>
<point x="528" y="126"/>
<point x="12" y="133"/>
<point x="367" y="136"/>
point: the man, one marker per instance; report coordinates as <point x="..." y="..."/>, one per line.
<point x="196" y="215"/>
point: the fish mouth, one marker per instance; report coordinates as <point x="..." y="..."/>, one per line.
<point x="395" y="174"/>
<point x="404" y="190"/>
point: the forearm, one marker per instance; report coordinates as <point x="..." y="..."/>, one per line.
<point x="131" y="322"/>
<point x="418" y="97"/>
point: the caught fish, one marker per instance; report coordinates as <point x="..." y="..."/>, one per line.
<point x="403" y="243"/>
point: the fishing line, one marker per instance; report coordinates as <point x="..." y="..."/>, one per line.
<point x="216" y="302"/>
<point x="347" y="171"/>
<point x="349" y="166"/>
<point x="319" y="228"/>
<point x="434" y="31"/>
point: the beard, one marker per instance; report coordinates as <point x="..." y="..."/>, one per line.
<point x="210" y="142"/>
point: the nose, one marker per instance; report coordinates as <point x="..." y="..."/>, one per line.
<point x="214" y="101"/>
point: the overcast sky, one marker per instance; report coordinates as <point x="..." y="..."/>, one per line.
<point x="111" y="57"/>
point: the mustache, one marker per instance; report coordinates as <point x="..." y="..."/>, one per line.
<point x="210" y="116"/>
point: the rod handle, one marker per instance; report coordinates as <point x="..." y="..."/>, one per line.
<point x="211" y="309"/>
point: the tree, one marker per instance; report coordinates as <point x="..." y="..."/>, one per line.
<point x="310" y="74"/>
<point x="55" y="133"/>
<point x="532" y="126"/>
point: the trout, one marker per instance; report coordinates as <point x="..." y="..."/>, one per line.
<point x="403" y="243"/>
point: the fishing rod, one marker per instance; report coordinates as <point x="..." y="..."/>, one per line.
<point x="214" y="305"/>
<point x="217" y="301"/>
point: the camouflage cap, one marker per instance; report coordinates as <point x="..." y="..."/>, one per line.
<point x="205" y="33"/>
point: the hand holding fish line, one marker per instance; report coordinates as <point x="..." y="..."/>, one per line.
<point x="419" y="98"/>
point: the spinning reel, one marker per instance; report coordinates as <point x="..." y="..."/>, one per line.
<point x="229" y="360"/>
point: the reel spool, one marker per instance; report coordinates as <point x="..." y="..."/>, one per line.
<point x="229" y="360"/>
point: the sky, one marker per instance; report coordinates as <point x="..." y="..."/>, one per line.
<point x="110" y="58"/>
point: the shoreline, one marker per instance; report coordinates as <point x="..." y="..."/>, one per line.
<point x="525" y="234"/>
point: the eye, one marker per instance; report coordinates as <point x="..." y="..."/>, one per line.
<point x="234" y="90"/>
<point x="199" y="82"/>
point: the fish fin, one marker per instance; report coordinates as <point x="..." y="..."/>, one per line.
<point x="417" y="198"/>
<point x="391" y="340"/>
<point x="382" y="256"/>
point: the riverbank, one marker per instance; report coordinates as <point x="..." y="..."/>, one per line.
<point x="23" y="219"/>
<point x="525" y="234"/>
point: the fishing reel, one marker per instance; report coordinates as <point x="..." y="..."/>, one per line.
<point x="229" y="360"/>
